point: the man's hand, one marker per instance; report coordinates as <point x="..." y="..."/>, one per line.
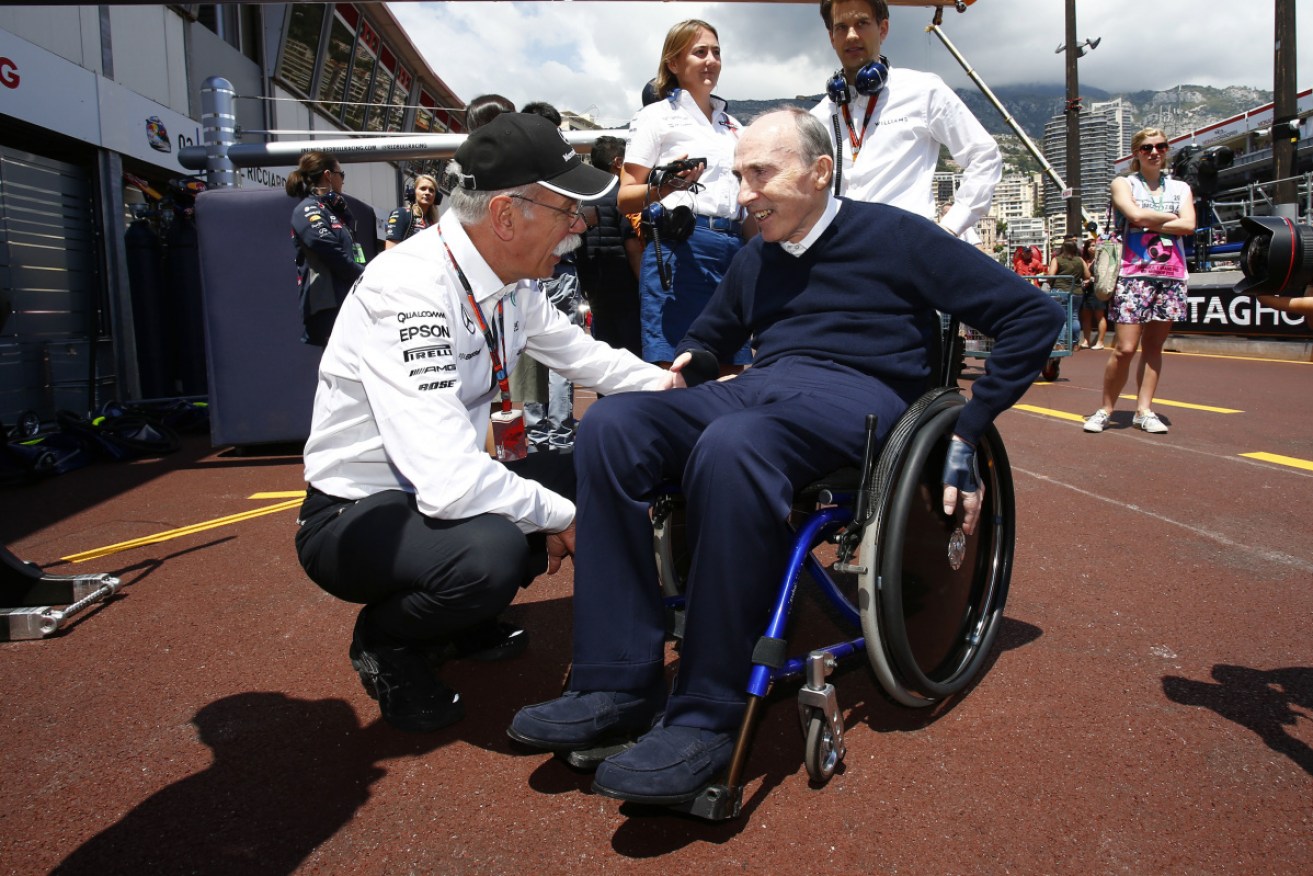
<point x="559" y="546"/>
<point x="695" y="367"/>
<point x="962" y="476"/>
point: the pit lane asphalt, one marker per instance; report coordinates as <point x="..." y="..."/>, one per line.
<point x="1149" y="708"/>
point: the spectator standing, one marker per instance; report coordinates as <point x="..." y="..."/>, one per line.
<point x="609" y="261"/>
<point x="547" y="396"/>
<point x="887" y="124"/>
<point x="1067" y="262"/>
<point x="419" y="212"/>
<point x="700" y="226"/>
<point x="1093" y="312"/>
<point x="1156" y="212"/>
<point x="328" y="259"/>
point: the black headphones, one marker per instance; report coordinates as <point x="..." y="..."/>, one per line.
<point x="869" y="81"/>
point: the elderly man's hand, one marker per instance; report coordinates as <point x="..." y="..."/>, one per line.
<point x="961" y="479"/>
<point x="559" y="546"/>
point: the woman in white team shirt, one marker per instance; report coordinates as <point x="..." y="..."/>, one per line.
<point x="688" y="121"/>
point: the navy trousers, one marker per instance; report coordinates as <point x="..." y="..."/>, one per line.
<point x="740" y="449"/>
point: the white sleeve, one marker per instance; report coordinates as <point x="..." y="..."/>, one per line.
<point x="431" y="441"/>
<point x="644" y="147"/>
<point x="564" y="347"/>
<point x="971" y="146"/>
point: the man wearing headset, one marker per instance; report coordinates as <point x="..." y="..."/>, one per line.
<point x="889" y="123"/>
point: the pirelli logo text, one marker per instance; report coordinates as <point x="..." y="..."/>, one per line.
<point x="418" y="354"/>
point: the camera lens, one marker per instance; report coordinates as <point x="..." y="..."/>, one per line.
<point x="1277" y="259"/>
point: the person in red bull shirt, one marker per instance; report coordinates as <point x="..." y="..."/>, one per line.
<point x="328" y="259"/>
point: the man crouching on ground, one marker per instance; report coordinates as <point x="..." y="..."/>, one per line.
<point x="406" y="512"/>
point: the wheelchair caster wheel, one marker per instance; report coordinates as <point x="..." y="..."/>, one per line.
<point x="1051" y="370"/>
<point x="820" y="756"/>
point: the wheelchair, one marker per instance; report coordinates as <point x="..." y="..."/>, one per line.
<point x="928" y="599"/>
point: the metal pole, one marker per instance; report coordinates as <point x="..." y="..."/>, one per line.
<point x="1007" y="117"/>
<point x="349" y="150"/>
<point x="1073" y="125"/>
<point x="219" y="131"/>
<point x="1284" y="111"/>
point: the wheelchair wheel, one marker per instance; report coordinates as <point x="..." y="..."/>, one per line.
<point x="669" y="543"/>
<point x="819" y="755"/>
<point x="931" y="598"/>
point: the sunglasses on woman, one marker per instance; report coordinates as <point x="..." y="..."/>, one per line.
<point x="1146" y="148"/>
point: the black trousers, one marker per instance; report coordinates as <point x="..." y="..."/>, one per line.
<point x="420" y="578"/>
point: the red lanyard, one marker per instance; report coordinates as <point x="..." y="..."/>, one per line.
<point x="499" y="375"/>
<point x="866" y="120"/>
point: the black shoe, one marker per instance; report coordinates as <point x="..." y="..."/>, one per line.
<point x="489" y="641"/>
<point x="409" y="697"/>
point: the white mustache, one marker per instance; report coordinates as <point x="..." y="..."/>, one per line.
<point x="567" y="246"/>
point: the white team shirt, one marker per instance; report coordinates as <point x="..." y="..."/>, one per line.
<point x="406" y="380"/>
<point x="665" y="130"/>
<point x="913" y="115"/>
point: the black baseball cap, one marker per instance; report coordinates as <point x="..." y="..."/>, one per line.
<point x="517" y="149"/>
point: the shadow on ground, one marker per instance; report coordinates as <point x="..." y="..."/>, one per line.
<point x="1269" y="702"/>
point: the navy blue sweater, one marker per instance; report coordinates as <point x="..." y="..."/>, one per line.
<point x="865" y="295"/>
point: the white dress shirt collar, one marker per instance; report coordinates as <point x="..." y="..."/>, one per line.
<point x="831" y="210"/>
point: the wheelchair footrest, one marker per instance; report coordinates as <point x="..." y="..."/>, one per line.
<point x="716" y="802"/>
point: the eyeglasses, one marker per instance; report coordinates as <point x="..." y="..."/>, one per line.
<point x="576" y="215"/>
<point x="341" y="173"/>
<point x="1146" y="148"/>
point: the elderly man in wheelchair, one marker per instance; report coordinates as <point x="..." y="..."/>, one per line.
<point x="839" y="298"/>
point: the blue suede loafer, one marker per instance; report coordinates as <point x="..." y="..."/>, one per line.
<point x="580" y="720"/>
<point x="668" y="765"/>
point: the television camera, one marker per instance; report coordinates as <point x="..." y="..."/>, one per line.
<point x="1277" y="258"/>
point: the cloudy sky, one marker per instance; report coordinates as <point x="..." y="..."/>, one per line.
<point x="595" y="56"/>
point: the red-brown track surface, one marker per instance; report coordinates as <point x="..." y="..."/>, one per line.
<point x="1149" y="709"/>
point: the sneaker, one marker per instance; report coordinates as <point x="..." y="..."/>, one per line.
<point x="580" y="720"/>
<point x="1097" y="420"/>
<point x="669" y="765"/>
<point x="1084" y="344"/>
<point x="1149" y="422"/>
<point x="1097" y="347"/>
<point x="409" y="697"/>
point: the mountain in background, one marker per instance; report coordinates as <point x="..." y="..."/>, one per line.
<point x="1177" y="110"/>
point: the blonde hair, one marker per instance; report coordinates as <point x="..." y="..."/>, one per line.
<point x="1139" y="137"/>
<point x="678" y="39"/>
<point x="416" y="210"/>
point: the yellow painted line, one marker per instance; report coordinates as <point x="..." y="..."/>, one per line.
<point x="1291" y="461"/>
<point x="1239" y="358"/>
<point x="1049" y="412"/>
<point x="168" y="535"/>
<point x="279" y="494"/>
<point x="1175" y="404"/>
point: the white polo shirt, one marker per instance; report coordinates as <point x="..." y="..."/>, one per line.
<point x="406" y="380"/>
<point x="913" y="115"/>
<point x="669" y="128"/>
